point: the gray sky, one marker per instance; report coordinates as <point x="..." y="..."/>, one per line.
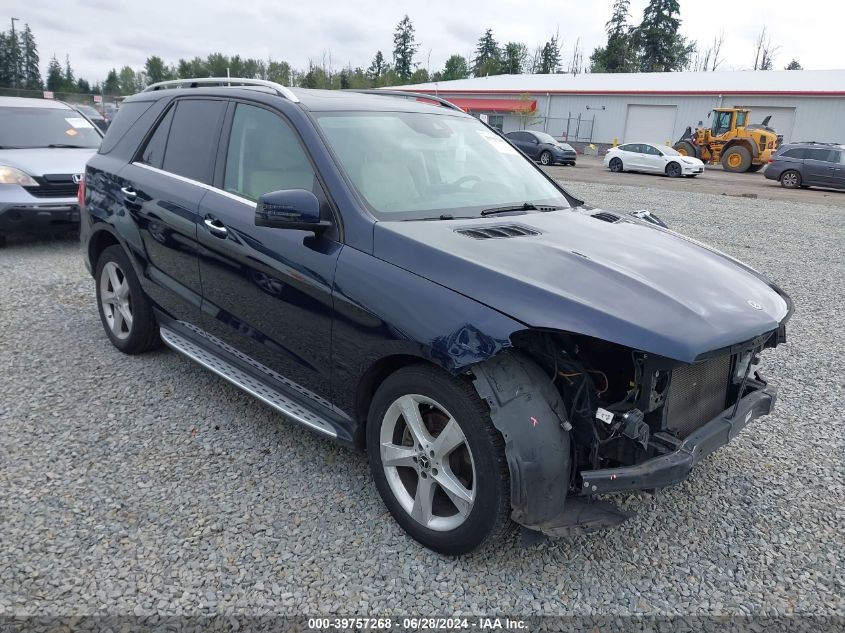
<point x="100" y="34"/>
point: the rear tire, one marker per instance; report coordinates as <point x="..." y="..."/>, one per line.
<point x="673" y="170"/>
<point x="125" y="311"/>
<point x="450" y="520"/>
<point x="790" y="179"/>
<point x="546" y="158"/>
<point x="736" y="159"/>
<point x="755" y="168"/>
<point x="615" y="165"/>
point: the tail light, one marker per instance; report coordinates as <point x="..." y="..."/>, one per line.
<point x="80" y="193"/>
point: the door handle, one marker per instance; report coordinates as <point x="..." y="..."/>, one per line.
<point x="129" y="193"/>
<point x="216" y="227"/>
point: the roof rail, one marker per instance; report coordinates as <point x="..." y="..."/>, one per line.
<point x="407" y="94"/>
<point x="225" y="82"/>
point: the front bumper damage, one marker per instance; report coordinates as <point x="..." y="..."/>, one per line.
<point x="547" y="497"/>
<point x="674" y="467"/>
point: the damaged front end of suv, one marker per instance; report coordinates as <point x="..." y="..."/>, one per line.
<point x="584" y="417"/>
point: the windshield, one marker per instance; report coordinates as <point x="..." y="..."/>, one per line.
<point x="546" y="138"/>
<point x="669" y="151"/>
<point x="43" y="127"/>
<point x="412" y="165"/>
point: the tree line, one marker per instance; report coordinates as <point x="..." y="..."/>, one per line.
<point x="653" y="45"/>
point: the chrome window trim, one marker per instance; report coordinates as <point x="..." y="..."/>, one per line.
<point x="191" y="181"/>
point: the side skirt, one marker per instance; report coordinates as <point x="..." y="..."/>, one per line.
<point x="272" y="395"/>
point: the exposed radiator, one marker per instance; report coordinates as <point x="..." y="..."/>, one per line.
<point x="697" y="394"/>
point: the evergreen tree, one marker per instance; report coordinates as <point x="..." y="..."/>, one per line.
<point x="344" y="79"/>
<point x="157" y="70"/>
<point x="514" y="57"/>
<point x="14" y="60"/>
<point x="550" y="57"/>
<point x="619" y="55"/>
<point x="69" y="83"/>
<point x="378" y="66"/>
<point x="55" y="77"/>
<point x="662" y="47"/>
<point x="487" y="56"/>
<point x="5" y="79"/>
<point x="127" y="81"/>
<point x="31" y="71"/>
<point x="111" y="86"/>
<point x="83" y="86"/>
<point x="404" y="48"/>
<point x="456" y="68"/>
<point x="793" y="65"/>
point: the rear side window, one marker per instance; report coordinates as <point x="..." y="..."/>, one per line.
<point x="797" y="152"/>
<point x="125" y="118"/>
<point x="153" y="153"/>
<point x="192" y="142"/>
<point x="821" y="154"/>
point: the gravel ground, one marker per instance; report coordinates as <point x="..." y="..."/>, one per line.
<point x="133" y="485"/>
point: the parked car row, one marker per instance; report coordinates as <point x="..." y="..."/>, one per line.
<point x="794" y="165"/>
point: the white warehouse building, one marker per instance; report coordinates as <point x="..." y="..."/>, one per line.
<point x="804" y="105"/>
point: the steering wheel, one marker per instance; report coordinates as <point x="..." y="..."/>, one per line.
<point x="465" y="179"/>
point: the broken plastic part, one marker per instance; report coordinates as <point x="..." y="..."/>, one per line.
<point x="539" y="454"/>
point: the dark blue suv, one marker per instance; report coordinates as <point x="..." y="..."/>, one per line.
<point x="389" y="272"/>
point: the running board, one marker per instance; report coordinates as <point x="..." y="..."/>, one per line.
<point x="253" y="386"/>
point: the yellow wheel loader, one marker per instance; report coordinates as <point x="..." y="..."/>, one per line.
<point x="731" y="141"/>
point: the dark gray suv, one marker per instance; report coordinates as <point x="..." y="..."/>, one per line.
<point x="808" y="164"/>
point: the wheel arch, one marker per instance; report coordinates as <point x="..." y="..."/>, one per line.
<point x="99" y="241"/>
<point x="369" y="383"/>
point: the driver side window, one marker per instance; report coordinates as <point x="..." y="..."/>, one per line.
<point x="264" y="155"/>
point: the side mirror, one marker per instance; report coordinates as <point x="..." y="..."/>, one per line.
<point x="290" y="209"/>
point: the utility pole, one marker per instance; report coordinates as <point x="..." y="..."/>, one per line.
<point x="17" y="60"/>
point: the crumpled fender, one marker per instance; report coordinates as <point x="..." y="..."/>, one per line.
<point x="528" y="411"/>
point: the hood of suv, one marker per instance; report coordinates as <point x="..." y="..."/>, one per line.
<point x="47" y="160"/>
<point x="624" y="281"/>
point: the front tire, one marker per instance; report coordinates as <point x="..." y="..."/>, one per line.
<point x="437" y="460"/>
<point x="615" y="165"/>
<point x="546" y="158"/>
<point x="673" y="170"/>
<point x="125" y="311"/>
<point x="736" y="159"/>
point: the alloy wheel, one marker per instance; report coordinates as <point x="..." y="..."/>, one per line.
<point x="545" y="158"/>
<point x="427" y="462"/>
<point x="790" y="180"/>
<point x="115" y="300"/>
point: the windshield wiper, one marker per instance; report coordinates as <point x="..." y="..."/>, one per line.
<point x="67" y="146"/>
<point x="525" y="206"/>
<point x="445" y="216"/>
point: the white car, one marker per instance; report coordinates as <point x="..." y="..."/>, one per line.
<point x="659" y="159"/>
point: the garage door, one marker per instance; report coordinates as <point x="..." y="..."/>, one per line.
<point x="650" y="123"/>
<point x="783" y="120"/>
